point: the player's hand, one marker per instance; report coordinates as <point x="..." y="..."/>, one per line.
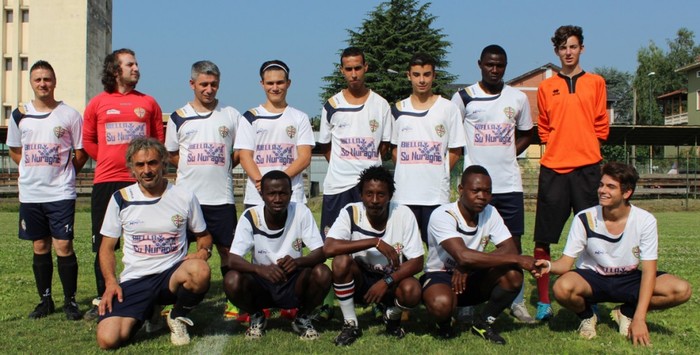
<point x="258" y="185"/>
<point x="527" y="262"/>
<point x="459" y="281"/>
<point x="288" y="264"/>
<point x="543" y="267"/>
<point x="390" y="253"/>
<point x="112" y="289"/>
<point x="376" y="292"/>
<point x="639" y="333"/>
<point x="199" y="254"/>
<point x="272" y="273"/>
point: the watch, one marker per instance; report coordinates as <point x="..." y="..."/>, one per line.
<point x="389" y="280"/>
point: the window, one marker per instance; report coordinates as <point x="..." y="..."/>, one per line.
<point x="24" y="63"/>
<point x="9" y="16"/>
<point x="25" y="16"/>
<point x="8" y="64"/>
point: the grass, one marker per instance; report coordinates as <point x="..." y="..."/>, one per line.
<point x="673" y="331"/>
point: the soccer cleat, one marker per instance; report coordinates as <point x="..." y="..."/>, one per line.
<point x="348" y="334"/>
<point x="393" y="328"/>
<point x="587" y="327"/>
<point x="43" y="309"/>
<point x="70" y="308"/>
<point x="378" y="311"/>
<point x="519" y="311"/>
<point x="445" y="331"/>
<point x="231" y="312"/>
<point x="544" y="311"/>
<point x="178" y="330"/>
<point x="93" y="312"/>
<point x="622" y="321"/>
<point x="325" y="313"/>
<point x="484" y="330"/>
<point x="305" y="328"/>
<point x="166" y="310"/>
<point x="256" y="329"/>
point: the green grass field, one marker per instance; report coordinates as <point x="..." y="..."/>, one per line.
<point x="676" y="331"/>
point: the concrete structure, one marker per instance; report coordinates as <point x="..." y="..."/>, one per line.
<point x="74" y="36"/>
<point x="693" y="91"/>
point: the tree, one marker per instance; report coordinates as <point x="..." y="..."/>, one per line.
<point x="656" y="73"/>
<point x="619" y="87"/>
<point x="391" y="34"/>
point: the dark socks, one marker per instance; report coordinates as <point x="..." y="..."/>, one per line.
<point x="68" y="272"/>
<point x="186" y="300"/>
<point x="628" y="309"/>
<point x="43" y="274"/>
<point x="500" y="300"/>
<point x="587" y="312"/>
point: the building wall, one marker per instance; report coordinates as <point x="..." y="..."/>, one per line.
<point x="693" y="96"/>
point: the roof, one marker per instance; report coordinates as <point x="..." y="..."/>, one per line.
<point x="688" y="67"/>
<point x="673" y="93"/>
<point x="534" y="71"/>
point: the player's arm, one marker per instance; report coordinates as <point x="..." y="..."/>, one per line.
<point x="90" y="131"/>
<point x="108" y="265"/>
<point x="543" y="118"/>
<point x="454" y="155"/>
<point x="235" y="158"/>
<point x="523" y="139"/>
<point x="79" y="159"/>
<point x="506" y="253"/>
<point x="638" y="331"/>
<point x="325" y="149"/>
<point x="394" y="152"/>
<point x="313" y="258"/>
<point x="16" y="154"/>
<point x="174" y="158"/>
<point x="204" y="246"/>
<point x="272" y="272"/>
<point x="557" y="267"/>
<point x="301" y="162"/>
<point x="384" y="148"/>
<point x="248" y="164"/>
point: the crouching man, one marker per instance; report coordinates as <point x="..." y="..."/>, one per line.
<point x="609" y="243"/>
<point x="280" y="276"/>
<point x="152" y="216"/>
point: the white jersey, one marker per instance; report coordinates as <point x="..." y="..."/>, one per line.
<point x="401" y="232"/>
<point x="270" y="245"/>
<point x="153" y="229"/>
<point x="274" y="138"/>
<point x="205" y="144"/>
<point x="447" y="222"/>
<point x="491" y="122"/>
<point x="423" y="139"/>
<point x="355" y="132"/>
<point x="47" y="139"/>
<point x="596" y="249"/>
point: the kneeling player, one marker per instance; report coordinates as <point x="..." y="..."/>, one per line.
<point x="458" y="271"/>
<point x="280" y="276"/>
<point x="376" y="250"/>
<point x="607" y="242"/>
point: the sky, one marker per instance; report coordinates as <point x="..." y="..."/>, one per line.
<point x="169" y="35"/>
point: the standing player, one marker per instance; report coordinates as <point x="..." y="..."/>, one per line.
<point x="458" y="271"/>
<point x="492" y="113"/>
<point x="152" y="216"/>
<point x="200" y="138"/>
<point x="355" y="133"/>
<point x="376" y="252"/>
<point x="573" y="122"/>
<point x="45" y="140"/>
<point x="274" y="136"/>
<point x="609" y="243"/>
<point x="427" y="141"/>
<point x="112" y="119"/>
<point x="280" y="274"/>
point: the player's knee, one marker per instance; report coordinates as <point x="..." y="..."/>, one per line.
<point x="439" y="305"/>
<point x="341" y="264"/>
<point x="321" y="275"/>
<point x="682" y="291"/>
<point x="408" y="293"/>
<point x="513" y="279"/>
<point x="562" y="289"/>
<point x="233" y="282"/>
<point x="107" y="340"/>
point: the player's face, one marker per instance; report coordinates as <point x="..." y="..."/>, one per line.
<point x="205" y="88"/>
<point x="610" y="192"/>
<point x="354" y="70"/>
<point x="421" y="77"/>
<point x="43" y="83"/>
<point x="493" y="67"/>
<point x="148" y="169"/>
<point x="275" y="84"/>
<point x="475" y="193"/>
<point x="376" y="196"/>
<point x="129" y="70"/>
<point x="569" y="52"/>
<point x="276" y="194"/>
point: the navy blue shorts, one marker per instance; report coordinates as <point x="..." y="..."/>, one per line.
<point x="471" y="295"/>
<point x="511" y="207"/>
<point x="140" y="295"/>
<point x="332" y="204"/>
<point x="48" y="219"/>
<point x="221" y="223"/>
<point x="99" y="200"/>
<point x="558" y="194"/>
<point x="282" y="295"/>
<point x="422" y="214"/>
<point x="616" y="288"/>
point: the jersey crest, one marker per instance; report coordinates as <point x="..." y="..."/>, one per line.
<point x="59" y="131"/>
<point x="373" y="125"/>
<point x="178" y="220"/>
<point x="509" y="112"/>
<point x="440" y="130"/>
<point x="223" y="131"/>
<point x="291" y="131"/>
<point x="297" y="244"/>
<point x="140" y="112"/>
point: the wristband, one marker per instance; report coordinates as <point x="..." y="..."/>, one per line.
<point x="549" y="265"/>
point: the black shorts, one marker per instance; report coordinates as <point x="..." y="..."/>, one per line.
<point x="221" y="223"/>
<point x="616" y="288"/>
<point x="471" y="295"/>
<point x="422" y="214"/>
<point x="48" y="219"/>
<point x="140" y="295"/>
<point x="558" y="194"/>
<point x="282" y="295"/>
<point x="101" y="193"/>
<point x="332" y="204"/>
<point x="511" y="207"/>
<point x="368" y="280"/>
